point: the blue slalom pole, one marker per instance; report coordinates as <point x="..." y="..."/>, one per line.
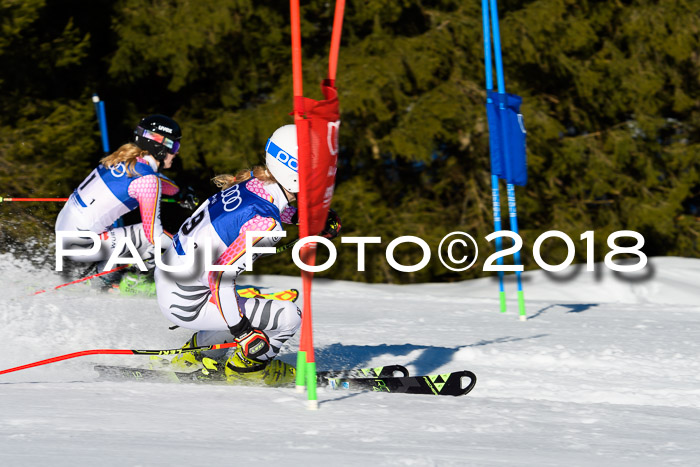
<point x="102" y="122"/>
<point x="512" y="209"/>
<point x="495" y="193"/>
<point x="513" y="220"/>
<point x="497" y="48"/>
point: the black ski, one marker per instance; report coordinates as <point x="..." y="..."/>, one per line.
<point x="447" y="384"/>
<point x="165" y="375"/>
<point x="382" y="371"/>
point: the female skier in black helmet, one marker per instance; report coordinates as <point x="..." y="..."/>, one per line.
<point x="127" y="179"/>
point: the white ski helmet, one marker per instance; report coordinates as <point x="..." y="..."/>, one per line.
<point x="281" y="157"/>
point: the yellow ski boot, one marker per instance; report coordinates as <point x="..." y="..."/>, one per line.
<point x="244" y="370"/>
<point x="279" y="373"/>
<point x="187" y="361"/>
<point x="211" y="369"/>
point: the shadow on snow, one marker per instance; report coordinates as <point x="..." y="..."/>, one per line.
<point x="572" y="308"/>
<point x="340" y="356"/>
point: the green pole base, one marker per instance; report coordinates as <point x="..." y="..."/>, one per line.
<point x="521" y="305"/>
<point x="301" y="371"/>
<point x="311" y="384"/>
<point x="502" y="296"/>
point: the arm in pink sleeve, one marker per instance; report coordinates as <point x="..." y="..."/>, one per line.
<point x="168" y="186"/>
<point x="287" y="215"/>
<point x="147" y="190"/>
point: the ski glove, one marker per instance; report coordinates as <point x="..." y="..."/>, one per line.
<point x="187" y="199"/>
<point x="253" y="343"/>
<point x="332" y="227"/>
<point x="332" y="224"/>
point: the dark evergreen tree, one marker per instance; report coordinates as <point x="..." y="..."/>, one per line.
<point x="610" y="103"/>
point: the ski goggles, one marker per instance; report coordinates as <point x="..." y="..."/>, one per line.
<point x="173" y="146"/>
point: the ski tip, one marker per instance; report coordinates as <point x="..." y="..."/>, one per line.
<point x="467" y="382"/>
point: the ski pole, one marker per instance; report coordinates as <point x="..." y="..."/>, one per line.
<point x="118" y="352"/>
<point x="286" y="246"/>
<point x="85" y="278"/>
<point x="3" y="200"/>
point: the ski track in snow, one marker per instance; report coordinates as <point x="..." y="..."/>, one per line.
<point x="605" y="371"/>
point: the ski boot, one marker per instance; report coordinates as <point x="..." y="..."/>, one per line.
<point x="104" y="283"/>
<point x="210" y="368"/>
<point x="158" y="363"/>
<point x="187" y="361"/>
<point x="244" y="370"/>
<point x="134" y="283"/>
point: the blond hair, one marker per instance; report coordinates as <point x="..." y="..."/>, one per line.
<point x="128" y="154"/>
<point x="225" y="181"/>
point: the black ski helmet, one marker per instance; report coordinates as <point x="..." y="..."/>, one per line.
<point x="159" y="135"/>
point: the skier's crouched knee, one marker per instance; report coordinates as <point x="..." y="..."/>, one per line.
<point x="290" y="318"/>
<point x="279" y="320"/>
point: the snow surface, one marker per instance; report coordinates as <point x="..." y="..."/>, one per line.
<point x="605" y="371"/>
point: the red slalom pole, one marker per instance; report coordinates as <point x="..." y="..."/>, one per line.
<point x="297" y="78"/>
<point x="32" y="199"/>
<point x="335" y="40"/>
<point x="298" y="86"/>
<point x="306" y="340"/>
<point x="164" y="200"/>
<point x="84" y="278"/>
<point x="306" y="365"/>
<point x="117" y="352"/>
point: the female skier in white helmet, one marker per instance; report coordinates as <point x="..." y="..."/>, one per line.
<point x="206" y="301"/>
